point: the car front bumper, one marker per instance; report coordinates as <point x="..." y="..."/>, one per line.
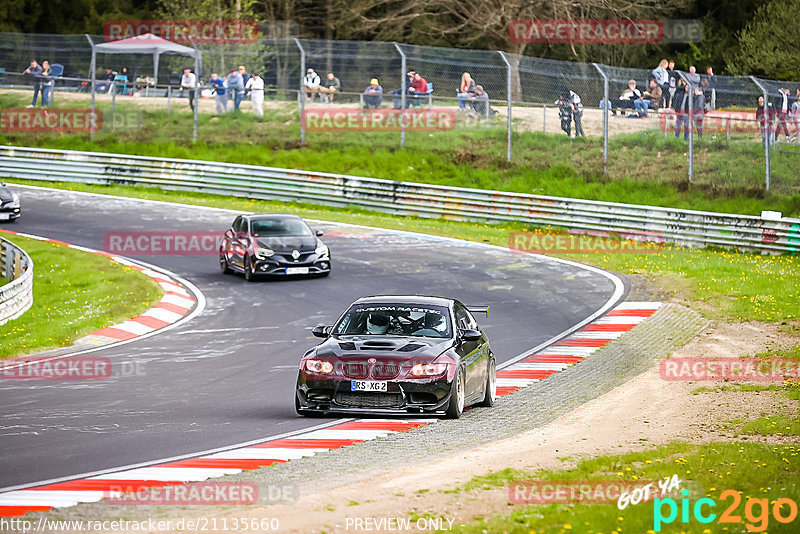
<point x="7" y="213"/>
<point x="402" y="396"/>
<point x="279" y="266"/>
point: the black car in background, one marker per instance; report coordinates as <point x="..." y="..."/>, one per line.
<point x="10" y="209"/>
<point x="398" y="354"/>
<point x="273" y="244"/>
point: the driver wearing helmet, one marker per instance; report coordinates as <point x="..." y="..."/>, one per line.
<point x="377" y="323"/>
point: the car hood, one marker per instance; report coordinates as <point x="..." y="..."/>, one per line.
<point x="384" y="347"/>
<point x="5" y="194"/>
<point x="289" y="243"/>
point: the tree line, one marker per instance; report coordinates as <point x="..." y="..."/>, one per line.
<point x="741" y="37"/>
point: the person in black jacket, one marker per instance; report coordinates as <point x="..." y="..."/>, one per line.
<point x="782" y="106"/>
<point x="35" y="70"/>
<point x="684" y="113"/>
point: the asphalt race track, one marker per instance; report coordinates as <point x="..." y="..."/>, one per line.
<point x="228" y="376"/>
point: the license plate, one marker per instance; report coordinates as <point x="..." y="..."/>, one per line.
<point x="297" y="270"/>
<point x="5" y="216"/>
<point x="367" y="385"/>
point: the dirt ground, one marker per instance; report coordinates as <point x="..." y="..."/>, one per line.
<point x="641" y="414"/>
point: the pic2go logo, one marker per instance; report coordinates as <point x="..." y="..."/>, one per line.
<point x="756" y="511"/>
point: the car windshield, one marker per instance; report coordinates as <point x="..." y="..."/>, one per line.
<point x="279" y="227"/>
<point x="394" y="320"/>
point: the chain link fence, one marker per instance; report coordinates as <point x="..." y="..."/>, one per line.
<point x="727" y="140"/>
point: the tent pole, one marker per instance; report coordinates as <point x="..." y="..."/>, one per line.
<point x="93" y="74"/>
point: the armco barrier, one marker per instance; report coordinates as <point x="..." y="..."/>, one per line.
<point x="772" y="234"/>
<point x="16" y="297"/>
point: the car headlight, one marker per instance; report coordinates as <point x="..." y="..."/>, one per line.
<point x="321" y="250"/>
<point x="14" y="200"/>
<point x="429" y="369"/>
<point x="262" y="252"/>
<point x="319" y="366"/>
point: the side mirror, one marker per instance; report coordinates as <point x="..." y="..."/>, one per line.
<point x="320" y="331"/>
<point x="471" y="335"/>
<point x="319" y="233"/>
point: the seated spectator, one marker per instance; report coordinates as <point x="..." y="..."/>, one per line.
<point x="105" y="85"/>
<point x="479" y="102"/>
<point x="627" y="98"/>
<point x="331" y="86"/>
<point x="465" y="91"/>
<point x="373" y="94"/>
<point x="419" y="86"/>
<point x="648" y="98"/>
<point x="409" y="80"/>
<point x="311" y="83"/>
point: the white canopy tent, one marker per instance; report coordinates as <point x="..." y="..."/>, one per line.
<point x="146" y="44"/>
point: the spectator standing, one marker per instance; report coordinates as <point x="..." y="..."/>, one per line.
<point x="218" y="85"/>
<point x="577" y="112"/>
<point x="782" y="106"/>
<point x="47" y="83"/>
<point x="35" y="70"/>
<point x="243" y="73"/>
<point x="329" y="87"/>
<point x="409" y="80"/>
<point x="673" y="85"/>
<point x="698" y="110"/>
<point x="565" y="112"/>
<point x="311" y="83"/>
<point x="373" y="94"/>
<point x="764" y="120"/>
<point x="681" y="103"/>
<point x="188" y="83"/>
<point x="236" y="88"/>
<point x="256" y="86"/>
<point x="710" y="88"/>
<point x="661" y="76"/>
<point x="796" y="115"/>
<point x="465" y="91"/>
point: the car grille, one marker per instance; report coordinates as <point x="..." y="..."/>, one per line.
<point x="356" y="370"/>
<point x="384" y="371"/>
<point x="368" y="399"/>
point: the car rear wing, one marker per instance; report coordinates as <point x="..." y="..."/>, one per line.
<point x="479" y="309"/>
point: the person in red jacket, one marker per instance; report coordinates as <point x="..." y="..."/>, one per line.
<point x="419" y="86"/>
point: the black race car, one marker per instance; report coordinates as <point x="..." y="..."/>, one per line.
<point x="9" y="204"/>
<point x="398" y="354"/>
<point x="273" y="244"/>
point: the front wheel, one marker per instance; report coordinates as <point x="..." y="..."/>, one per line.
<point x="249" y="274"/>
<point x="456" y="405"/>
<point x="490" y="393"/>
<point x="223" y="263"/>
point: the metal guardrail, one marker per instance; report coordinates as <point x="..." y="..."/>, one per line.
<point x="771" y="233"/>
<point x="16" y="297"/>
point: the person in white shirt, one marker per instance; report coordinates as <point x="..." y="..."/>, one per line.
<point x="311" y="83"/>
<point x="256" y="86"/>
<point x="189" y="83"/>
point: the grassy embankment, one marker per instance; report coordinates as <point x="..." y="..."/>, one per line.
<point x="74" y="294"/>
<point x="644" y="167"/>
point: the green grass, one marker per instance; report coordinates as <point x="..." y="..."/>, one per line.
<point x="644" y="168"/>
<point x="756" y="470"/>
<point x="721" y="284"/>
<point x="74" y="294"/>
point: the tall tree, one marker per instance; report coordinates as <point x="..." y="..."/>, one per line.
<point x="769" y="45"/>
